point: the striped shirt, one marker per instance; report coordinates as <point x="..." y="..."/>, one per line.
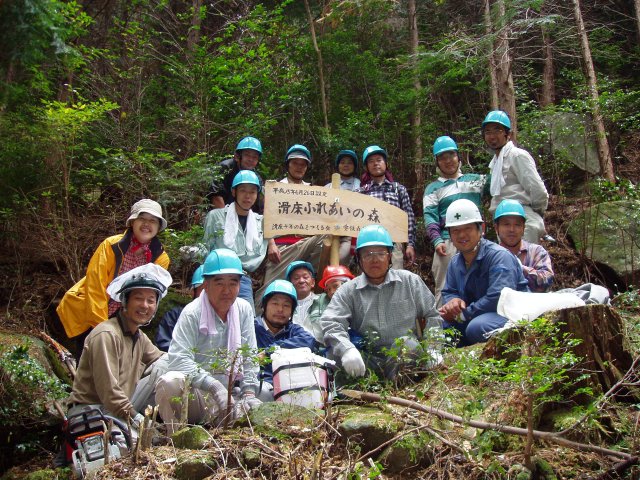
<point x="536" y="266"/>
<point x="394" y="194"/>
<point x="440" y="194"/>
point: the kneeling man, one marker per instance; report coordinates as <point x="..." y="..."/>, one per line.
<point x="214" y="345"/>
<point x="476" y="276"/>
<point x="382" y="304"/>
<point x="116" y="353"/>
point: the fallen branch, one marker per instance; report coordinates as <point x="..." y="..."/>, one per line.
<point x="549" y="436"/>
<point x="618" y="469"/>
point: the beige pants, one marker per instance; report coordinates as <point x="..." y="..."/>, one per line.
<point x="202" y="407"/>
<point x="439" y="269"/>
<point x="534" y="228"/>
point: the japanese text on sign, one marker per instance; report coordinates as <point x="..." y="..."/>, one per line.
<point x="304" y="210"/>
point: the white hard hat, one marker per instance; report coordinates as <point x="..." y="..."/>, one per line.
<point x="149" y="275"/>
<point x="462" y="212"/>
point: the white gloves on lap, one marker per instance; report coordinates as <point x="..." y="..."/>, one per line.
<point x="352" y="363"/>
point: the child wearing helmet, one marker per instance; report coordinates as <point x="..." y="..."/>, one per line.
<point x="105" y="377"/>
<point x="451" y="185"/>
<point x="214" y="345"/>
<point x="476" y="276"/>
<point x="86" y="304"/>
<point x="246" y="157"/>
<point x="240" y="229"/>
<point x="346" y="165"/>
<point x="275" y="328"/>
<point x="384" y="305"/>
<point x="297" y="161"/>
<point x="377" y="182"/>
<point x="333" y="277"/>
<point x="514" y="175"/>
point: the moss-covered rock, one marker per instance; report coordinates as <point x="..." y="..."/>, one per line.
<point x="251" y="457"/>
<point x="29" y="383"/>
<point x="368" y="427"/>
<point x="281" y="420"/>
<point x="608" y="234"/>
<point x="192" y="438"/>
<point x="195" y="465"/>
<point x="412" y="451"/>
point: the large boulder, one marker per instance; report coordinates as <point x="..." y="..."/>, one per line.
<point x="609" y="234"/>
<point x="571" y="137"/>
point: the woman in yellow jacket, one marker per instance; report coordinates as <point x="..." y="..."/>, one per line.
<point x="86" y="304"/>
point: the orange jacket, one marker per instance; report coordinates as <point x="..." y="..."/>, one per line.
<point x="86" y="304"/>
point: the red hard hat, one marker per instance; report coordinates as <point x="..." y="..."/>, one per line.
<point x="333" y="271"/>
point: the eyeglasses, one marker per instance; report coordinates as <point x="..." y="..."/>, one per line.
<point x="370" y="255"/>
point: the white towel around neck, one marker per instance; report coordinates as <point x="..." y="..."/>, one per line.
<point x="232" y="225"/>
<point x="497" y="179"/>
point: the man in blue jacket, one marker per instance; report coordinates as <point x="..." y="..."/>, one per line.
<point x="476" y="276"/>
<point x="274" y="327"/>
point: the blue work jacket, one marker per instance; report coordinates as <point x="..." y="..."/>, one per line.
<point x="480" y="285"/>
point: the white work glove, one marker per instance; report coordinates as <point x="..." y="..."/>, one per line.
<point x="218" y="392"/>
<point x="409" y="342"/>
<point x="137" y="421"/>
<point x="246" y="403"/>
<point x="352" y="363"/>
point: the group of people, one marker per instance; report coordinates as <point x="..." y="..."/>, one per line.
<point x="218" y="345"/>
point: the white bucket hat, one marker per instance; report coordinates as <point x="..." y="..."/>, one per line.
<point x="146" y="205"/>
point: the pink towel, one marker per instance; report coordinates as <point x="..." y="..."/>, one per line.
<point x="234" y="334"/>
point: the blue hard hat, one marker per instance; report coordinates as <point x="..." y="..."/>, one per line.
<point x="497" y="116"/>
<point x="374" y="235"/>
<point x="300" y="151"/>
<point x="246" y="176"/>
<point x="221" y="261"/>
<point x="444" y="144"/>
<point x="347" y="153"/>
<point x="280" y="286"/>
<point x="296" y="265"/>
<point x="370" y="150"/>
<point x="249" y="143"/>
<point x="509" y="208"/>
<point x="197" y="278"/>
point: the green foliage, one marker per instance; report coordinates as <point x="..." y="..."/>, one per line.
<point x="604" y="191"/>
<point x="24" y="378"/>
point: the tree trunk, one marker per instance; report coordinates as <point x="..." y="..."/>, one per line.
<point x="416" y="118"/>
<point x="493" y="81"/>
<point x="548" y="77"/>
<point x="502" y="56"/>
<point x="636" y="4"/>
<point x="323" y="95"/>
<point x="604" y="351"/>
<point x="194" y="31"/>
<point x="604" y="155"/>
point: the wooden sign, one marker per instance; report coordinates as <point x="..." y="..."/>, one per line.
<point x="303" y="210"/>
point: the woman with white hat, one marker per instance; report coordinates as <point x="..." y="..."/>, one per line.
<point x="86" y="304"/>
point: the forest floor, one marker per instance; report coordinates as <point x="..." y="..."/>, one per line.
<point x="27" y="303"/>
